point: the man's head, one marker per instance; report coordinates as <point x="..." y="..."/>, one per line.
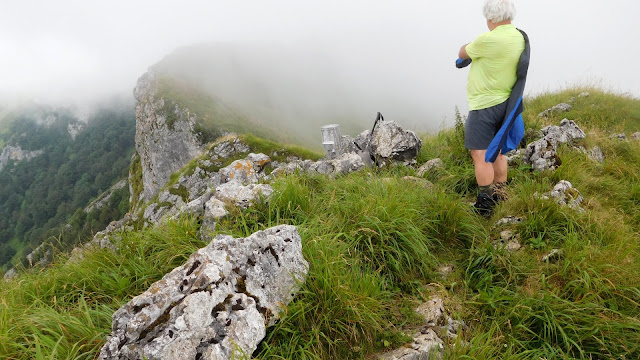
<point x="499" y="11"/>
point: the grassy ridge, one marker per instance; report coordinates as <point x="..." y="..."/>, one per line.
<point x="374" y="243"/>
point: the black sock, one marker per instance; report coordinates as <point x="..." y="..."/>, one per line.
<point x="486" y="190"/>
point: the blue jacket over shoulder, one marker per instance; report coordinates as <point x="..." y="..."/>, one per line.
<point x="512" y="129"/>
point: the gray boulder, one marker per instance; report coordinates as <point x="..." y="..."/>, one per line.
<point x="567" y="132"/>
<point x="596" y="154"/>
<point x="247" y="171"/>
<point x="542" y="154"/>
<point x="391" y="143"/>
<point x="217" y="305"/>
<point x="214" y="211"/>
<point x="242" y="195"/>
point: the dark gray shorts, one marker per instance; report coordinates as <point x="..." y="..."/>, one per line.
<point x="482" y="125"/>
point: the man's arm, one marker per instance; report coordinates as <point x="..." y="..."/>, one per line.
<point x="462" y="54"/>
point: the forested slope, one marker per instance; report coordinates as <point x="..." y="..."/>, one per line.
<point x="78" y="161"/>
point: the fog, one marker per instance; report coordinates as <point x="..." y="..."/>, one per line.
<point x="396" y="57"/>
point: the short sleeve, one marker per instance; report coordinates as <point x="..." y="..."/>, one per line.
<point x="476" y="48"/>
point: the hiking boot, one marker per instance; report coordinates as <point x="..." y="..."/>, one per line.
<point x="484" y="205"/>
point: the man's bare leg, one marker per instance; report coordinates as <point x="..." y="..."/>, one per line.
<point x="500" y="169"/>
<point x="484" y="170"/>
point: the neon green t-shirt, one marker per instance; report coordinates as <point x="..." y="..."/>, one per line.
<point x="495" y="56"/>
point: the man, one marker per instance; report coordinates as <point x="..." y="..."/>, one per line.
<point x="495" y="56"/>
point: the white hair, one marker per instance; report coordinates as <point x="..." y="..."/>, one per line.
<point x="499" y="10"/>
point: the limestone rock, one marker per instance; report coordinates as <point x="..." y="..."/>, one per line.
<point x="429" y="166"/>
<point x="16" y="154"/>
<point x="564" y="193"/>
<point x="214" y="211"/>
<point x="390" y="142"/>
<point x="432" y="311"/>
<point x="635" y="136"/>
<point x="165" y="137"/>
<point x="553" y="256"/>
<point x="562" y="107"/>
<point x="230" y="146"/>
<point x="346" y="163"/>
<point x="242" y="195"/>
<point x="196" y="207"/>
<point x="217" y="305"/>
<point x="509" y="220"/>
<point x="424" y="347"/>
<point x="510" y="240"/>
<point x="201" y="180"/>
<point x="105" y="239"/>
<point x="621" y="137"/>
<point x="10" y="275"/>
<point x="74" y="129"/>
<point x="542" y="154"/>
<point x="343" y="164"/>
<point x="596" y="154"/>
<point x="247" y="171"/>
<point x="567" y="132"/>
<point x="104" y="198"/>
<point x="514" y="157"/>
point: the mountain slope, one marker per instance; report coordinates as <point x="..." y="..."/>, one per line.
<point x="377" y="245"/>
<point x="63" y="164"/>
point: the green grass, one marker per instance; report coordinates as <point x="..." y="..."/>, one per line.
<point x="374" y="243"/>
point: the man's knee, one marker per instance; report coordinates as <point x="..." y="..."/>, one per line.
<point x="478" y="156"/>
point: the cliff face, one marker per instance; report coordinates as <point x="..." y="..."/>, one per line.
<point x="165" y="136"/>
<point x="16" y="154"/>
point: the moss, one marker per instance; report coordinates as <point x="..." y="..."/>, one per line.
<point x="135" y="179"/>
<point x="169" y="111"/>
<point x="259" y="144"/>
<point x="180" y="191"/>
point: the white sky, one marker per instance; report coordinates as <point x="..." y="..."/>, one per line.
<point x="81" y="49"/>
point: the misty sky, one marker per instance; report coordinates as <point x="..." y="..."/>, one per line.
<point x="75" y="50"/>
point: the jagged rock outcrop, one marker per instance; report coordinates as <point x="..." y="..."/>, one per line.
<point x="388" y="143"/>
<point x="108" y="238"/>
<point x="11" y="274"/>
<point x="562" y="107"/>
<point x="16" y="154"/>
<point x="165" y="136"/>
<point x="74" y="129"/>
<point x="104" y="198"/>
<point x="217" y="305"/>
<point x="542" y="154"/>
